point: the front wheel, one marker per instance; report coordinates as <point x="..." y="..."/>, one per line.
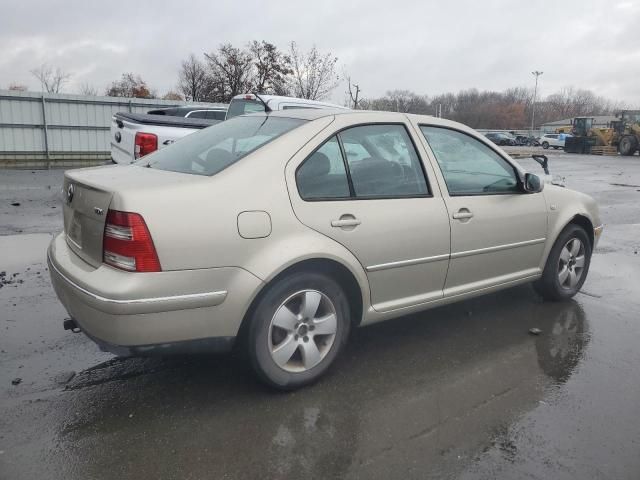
<point x="545" y="145"/>
<point x="567" y="265"/>
<point x="297" y="330"/>
<point x="627" y="145"/>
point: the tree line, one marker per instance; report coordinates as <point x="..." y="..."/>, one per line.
<point x="260" y="66"/>
<point x="510" y="109"/>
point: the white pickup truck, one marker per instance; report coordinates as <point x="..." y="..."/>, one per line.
<point x="134" y="135"/>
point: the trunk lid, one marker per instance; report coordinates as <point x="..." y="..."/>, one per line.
<point x="127" y="188"/>
<point x="85" y="213"/>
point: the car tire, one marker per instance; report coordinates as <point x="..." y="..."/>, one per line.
<point x="545" y="145"/>
<point x="284" y="345"/>
<point x="567" y="265"/>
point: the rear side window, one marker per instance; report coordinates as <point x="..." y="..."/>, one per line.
<point x="381" y="162"/>
<point x="216" y="114"/>
<point x="197" y="114"/>
<point x="213" y="149"/>
<point x="323" y="174"/>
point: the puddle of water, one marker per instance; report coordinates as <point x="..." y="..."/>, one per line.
<point x="17" y="251"/>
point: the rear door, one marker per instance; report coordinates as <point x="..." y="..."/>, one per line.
<point x="365" y="186"/>
<point x="498" y="231"/>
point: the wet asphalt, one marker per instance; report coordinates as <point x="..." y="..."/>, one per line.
<point x="462" y="391"/>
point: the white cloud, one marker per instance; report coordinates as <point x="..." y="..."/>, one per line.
<point x="426" y="46"/>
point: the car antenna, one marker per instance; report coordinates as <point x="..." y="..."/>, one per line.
<point x="266" y="107"/>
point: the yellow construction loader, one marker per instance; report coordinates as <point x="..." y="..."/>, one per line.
<point x="626" y="132"/>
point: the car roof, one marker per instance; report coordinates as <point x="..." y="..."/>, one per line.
<point x="315" y="113"/>
<point x="279" y="98"/>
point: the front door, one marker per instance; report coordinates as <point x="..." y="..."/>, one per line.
<point x="497" y="230"/>
<point x="366" y="187"/>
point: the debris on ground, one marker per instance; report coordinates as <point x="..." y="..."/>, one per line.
<point x="16" y="381"/>
<point x="15" y="204"/>
<point x="535" y="331"/>
<point x="64" y="377"/>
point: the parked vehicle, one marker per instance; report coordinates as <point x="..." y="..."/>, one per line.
<point x="250" y="103"/>
<point x="217" y="112"/>
<point x="554" y="140"/>
<point x="287" y="229"/>
<point x="527" y="140"/>
<point x="501" y="139"/>
<point x="134" y="135"/>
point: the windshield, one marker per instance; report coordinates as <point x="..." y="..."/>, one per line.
<point x="215" y="148"/>
<point x="240" y="106"/>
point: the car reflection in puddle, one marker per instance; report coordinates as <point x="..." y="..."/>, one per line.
<point x="417" y="395"/>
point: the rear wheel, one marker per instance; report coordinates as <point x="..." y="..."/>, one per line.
<point x="545" y="145"/>
<point x="297" y="330"/>
<point x="628" y="145"/>
<point x="567" y="265"/>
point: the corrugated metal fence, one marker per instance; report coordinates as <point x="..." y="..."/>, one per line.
<point x="44" y="130"/>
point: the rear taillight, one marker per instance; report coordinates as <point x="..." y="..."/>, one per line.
<point x="127" y="243"/>
<point x="145" y="143"/>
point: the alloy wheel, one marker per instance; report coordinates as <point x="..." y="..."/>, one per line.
<point x="302" y="331"/>
<point x="571" y="263"/>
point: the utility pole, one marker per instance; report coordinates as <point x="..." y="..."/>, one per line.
<point x="536" y="73"/>
<point x="355" y="100"/>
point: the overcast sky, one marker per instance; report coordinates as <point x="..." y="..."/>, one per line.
<point x="429" y="47"/>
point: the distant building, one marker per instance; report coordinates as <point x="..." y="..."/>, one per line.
<point x="600" y="121"/>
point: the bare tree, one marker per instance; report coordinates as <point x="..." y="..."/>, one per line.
<point x="353" y="90"/>
<point x="314" y="75"/>
<point x="231" y="72"/>
<point x="272" y="68"/>
<point x="130" y="85"/>
<point x="88" y="90"/>
<point x="51" y="81"/>
<point x="193" y="79"/>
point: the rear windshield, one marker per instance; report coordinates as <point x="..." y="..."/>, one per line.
<point x="241" y="106"/>
<point x="213" y="149"/>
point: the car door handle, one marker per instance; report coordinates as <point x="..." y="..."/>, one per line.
<point x="345" y="221"/>
<point x="462" y="214"/>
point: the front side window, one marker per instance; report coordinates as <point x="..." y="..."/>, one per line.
<point x="213" y="149"/>
<point x="470" y="167"/>
<point x="323" y="174"/>
<point x="383" y="162"/>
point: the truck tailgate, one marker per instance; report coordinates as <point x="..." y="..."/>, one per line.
<point x="124" y="127"/>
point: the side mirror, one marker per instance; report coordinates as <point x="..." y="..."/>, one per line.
<point x="533" y="183"/>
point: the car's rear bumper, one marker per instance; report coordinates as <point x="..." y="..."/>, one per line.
<point x="150" y="311"/>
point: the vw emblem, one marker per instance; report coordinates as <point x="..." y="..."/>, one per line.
<point x="70" y="192"/>
<point x="118" y="137"/>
